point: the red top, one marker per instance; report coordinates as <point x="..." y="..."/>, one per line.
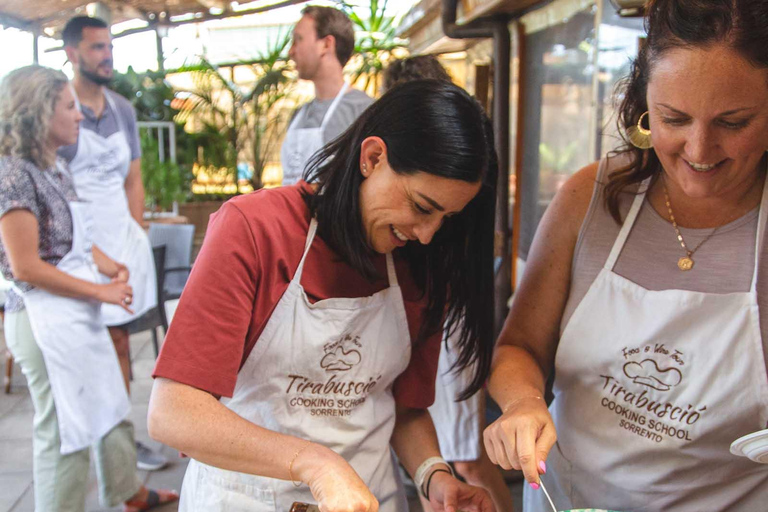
<point x="252" y="248"/>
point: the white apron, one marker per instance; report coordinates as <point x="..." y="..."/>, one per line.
<point x="458" y="424"/>
<point x="651" y="388"/>
<point x="80" y="358"/>
<point x="99" y="170"/>
<point x="322" y="372"/>
<point x="301" y="143"/>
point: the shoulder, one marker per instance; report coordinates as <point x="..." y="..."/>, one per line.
<point x="576" y="193"/>
<point x="271" y="211"/>
<point x="15" y="167"/>
<point x="357" y="96"/>
<point x="357" y="99"/>
<point x="124" y="107"/>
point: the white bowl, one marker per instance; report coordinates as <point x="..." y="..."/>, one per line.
<point x="753" y="446"/>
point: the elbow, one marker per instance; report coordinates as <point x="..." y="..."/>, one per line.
<point x="159" y="416"/>
<point x="23" y="272"/>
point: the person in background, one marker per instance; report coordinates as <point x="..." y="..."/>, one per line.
<point x="323" y="42"/>
<point x="458" y="424"/>
<point x="105" y="163"/>
<point x="331" y="300"/>
<point x="53" y="323"/>
<point x="646" y="288"/>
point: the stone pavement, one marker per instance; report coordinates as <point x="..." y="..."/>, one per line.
<point x="16" y="493"/>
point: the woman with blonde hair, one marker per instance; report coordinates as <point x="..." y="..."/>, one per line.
<point x="53" y="325"/>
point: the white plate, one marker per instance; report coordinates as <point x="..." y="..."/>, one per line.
<point x="753" y="446"/>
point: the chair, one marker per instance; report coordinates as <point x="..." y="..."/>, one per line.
<point x="177" y="239"/>
<point x="155" y="317"/>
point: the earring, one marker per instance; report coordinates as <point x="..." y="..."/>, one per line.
<point x="640" y="137"/>
<point x="365" y="170"/>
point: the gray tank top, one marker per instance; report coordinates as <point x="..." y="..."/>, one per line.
<point x="724" y="264"/>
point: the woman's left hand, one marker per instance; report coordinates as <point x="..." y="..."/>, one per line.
<point x="448" y="494"/>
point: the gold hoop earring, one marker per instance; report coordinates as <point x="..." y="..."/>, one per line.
<point x="638" y="136"/>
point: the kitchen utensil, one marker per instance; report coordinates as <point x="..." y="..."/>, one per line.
<point x="303" y="507"/>
<point x="541" y="483"/>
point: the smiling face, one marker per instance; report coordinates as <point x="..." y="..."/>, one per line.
<point x="92" y="58"/>
<point x="708" y="112"/>
<point x="64" y="126"/>
<point x="397" y="209"/>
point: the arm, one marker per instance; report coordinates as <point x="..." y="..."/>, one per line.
<point x="196" y="423"/>
<point x="414" y="440"/>
<point x="201" y="358"/>
<point x="108" y="266"/>
<point x="134" y="190"/>
<point x="526" y="347"/>
<point x="20" y="236"/>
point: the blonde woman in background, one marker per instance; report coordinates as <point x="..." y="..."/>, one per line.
<point x="53" y="323"/>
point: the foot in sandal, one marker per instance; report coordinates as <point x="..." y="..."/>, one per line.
<point x="147" y="499"/>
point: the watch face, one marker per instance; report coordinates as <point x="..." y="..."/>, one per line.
<point x="754" y="446"/>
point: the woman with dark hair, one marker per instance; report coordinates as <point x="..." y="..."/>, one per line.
<point x="458" y="424"/>
<point x="646" y="290"/>
<point x="417" y="67"/>
<point x="318" y="311"/>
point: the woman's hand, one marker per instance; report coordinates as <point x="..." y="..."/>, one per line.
<point x="447" y="494"/>
<point x="122" y="275"/>
<point x="522" y="437"/>
<point x="116" y="292"/>
<point x="334" y="484"/>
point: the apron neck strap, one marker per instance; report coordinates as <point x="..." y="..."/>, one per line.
<point x="391" y="273"/>
<point x="618" y="245"/>
<point x="329" y="113"/>
<point x="110" y="103"/>
<point x="761" y="222"/>
<point x="74" y="95"/>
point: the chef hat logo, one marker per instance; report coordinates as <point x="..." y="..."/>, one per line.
<point x="647" y="373"/>
<point x="340" y="360"/>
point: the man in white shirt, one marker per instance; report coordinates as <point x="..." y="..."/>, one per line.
<point x="323" y="42"/>
<point x="105" y="163"/>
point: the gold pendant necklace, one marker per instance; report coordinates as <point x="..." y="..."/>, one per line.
<point x="686" y="262"/>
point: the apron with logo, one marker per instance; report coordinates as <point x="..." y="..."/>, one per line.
<point x="651" y="389"/>
<point x="99" y="170"/>
<point x="301" y="143"/>
<point x="80" y="358"/>
<point x="322" y="372"/>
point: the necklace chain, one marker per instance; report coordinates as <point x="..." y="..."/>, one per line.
<point x="685" y="263"/>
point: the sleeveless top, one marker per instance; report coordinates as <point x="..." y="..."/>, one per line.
<point x="724" y="264"/>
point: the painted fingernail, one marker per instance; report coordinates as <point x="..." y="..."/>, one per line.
<point x="534" y="486"/>
<point x="543" y="466"/>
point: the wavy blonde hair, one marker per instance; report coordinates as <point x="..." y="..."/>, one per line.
<point x="28" y="98"/>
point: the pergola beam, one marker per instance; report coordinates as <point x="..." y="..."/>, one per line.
<point x="195" y="17"/>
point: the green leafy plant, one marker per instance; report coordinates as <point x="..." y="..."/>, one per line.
<point x="164" y="182"/>
<point x="376" y="39"/>
<point x="248" y="119"/>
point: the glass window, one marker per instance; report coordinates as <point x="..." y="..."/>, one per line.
<point x="557" y="111"/>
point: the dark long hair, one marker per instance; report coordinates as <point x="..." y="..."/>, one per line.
<point x="434" y="127"/>
<point x="740" y="24"/>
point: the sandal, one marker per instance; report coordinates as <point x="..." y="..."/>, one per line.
<point x="154" y="499"/>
